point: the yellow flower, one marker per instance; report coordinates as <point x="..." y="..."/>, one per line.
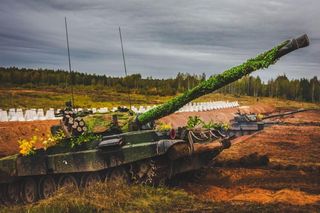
<point x="225" y="126"/>
<point x="259" y="117"/>
<point x="163" y="127"/>
<point x="52" y="140"/>
<point x="27" y="147"/>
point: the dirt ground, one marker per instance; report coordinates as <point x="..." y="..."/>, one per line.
<point x="291" y="178"/>
<point x="11" y="132"/>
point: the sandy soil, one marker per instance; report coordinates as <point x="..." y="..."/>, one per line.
<point x="11" y="132"/>
<point x="285" y="145"/>
<point x="291" y="178"/>
<point x="262" y="186"/>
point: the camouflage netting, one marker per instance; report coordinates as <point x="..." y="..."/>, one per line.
<point x="262" y="61"/>
<point x="104" y="123"/>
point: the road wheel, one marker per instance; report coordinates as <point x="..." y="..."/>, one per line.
<point x="149" y="172"/>
<point x="13" y="192"/>
<point x="88" y="180"/>
<point x="2" y="195"/>
<point x="68" y="181"/>
<point x="119" y="175"/>
<point x="29" y="191"/>
<point x="47" y="187"/>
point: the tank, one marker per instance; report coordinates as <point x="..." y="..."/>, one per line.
<point x="243" y="123"/>
<point x="128" y="148"/>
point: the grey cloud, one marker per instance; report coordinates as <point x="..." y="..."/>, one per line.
<point x="161" y="38"/>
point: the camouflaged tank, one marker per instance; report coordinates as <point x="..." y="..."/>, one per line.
<point x="244" y="124"/>
<point x="128" y="149"/>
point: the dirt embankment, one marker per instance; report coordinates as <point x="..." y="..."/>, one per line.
<point x="11" y="132"/>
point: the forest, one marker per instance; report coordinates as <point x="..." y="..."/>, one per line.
<point x="281" y="87"/>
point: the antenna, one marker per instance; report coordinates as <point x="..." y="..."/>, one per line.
<point x="70" y="70"/>
<point x="124" y="64"/>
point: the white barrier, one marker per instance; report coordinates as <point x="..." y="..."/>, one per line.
<point x="19" y="115"/>
<point x="206" y="106"/>
<point x="33" y="114"/>
<point x="40" y="115"/>
<point x="103" y="110"/>
<point x="50" y="114"/>
<point x="12" y="115"/>
<point x="3" y="116"/>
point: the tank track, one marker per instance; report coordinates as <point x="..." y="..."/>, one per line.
<point x="28" y="190"/>
<point x="150" y="172"/>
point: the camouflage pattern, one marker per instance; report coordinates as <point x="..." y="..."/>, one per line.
<point x="137" y="146"/>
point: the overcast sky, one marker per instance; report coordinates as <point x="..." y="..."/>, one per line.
<point x="161" y="38"/>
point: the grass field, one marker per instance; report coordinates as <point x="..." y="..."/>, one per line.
<point x="84" y="97"/>
<point x="111" y="197"/>
<point x="88" y="97"/>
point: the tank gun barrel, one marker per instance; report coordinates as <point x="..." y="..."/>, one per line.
<point x="283" y="114"/>
<point x="215" y="82"/>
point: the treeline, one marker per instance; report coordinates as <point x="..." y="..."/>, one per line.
<point x="281" y="87"/>
<point x="34" y="78"/>
<point x="297" y="89"/>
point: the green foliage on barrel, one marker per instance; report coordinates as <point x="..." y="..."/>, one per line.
<point x="261" y="61"/>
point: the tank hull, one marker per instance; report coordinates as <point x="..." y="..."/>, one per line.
<point x="139" y="150"/>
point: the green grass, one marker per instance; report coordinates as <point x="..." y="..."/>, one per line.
<point x="88" y="97"/>
<point x="84" y="97"/>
